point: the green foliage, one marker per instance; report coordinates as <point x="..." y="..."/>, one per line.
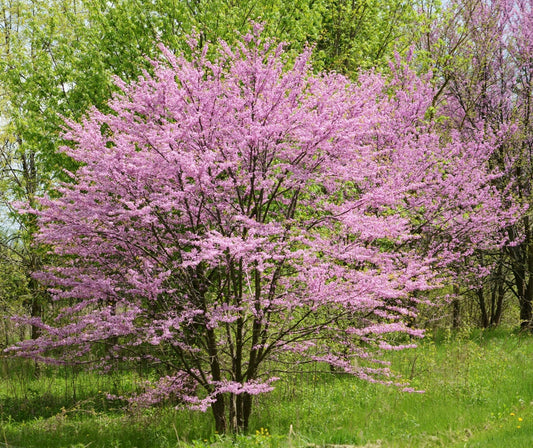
<point x="35" y="78"/>
<point x="14" y="294"/>
<point x="364" y="33"/>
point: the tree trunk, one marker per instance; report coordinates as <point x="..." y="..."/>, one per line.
<point x="497" y="304"/>
<point x="522" y="285"/>
<point x="246" y="410"/>
<point x="219" y="413"/>
<point x="525" y="306"/>
<point x="485" y="321"/>
<point x="456" y="309"/>
<point x="240" y="407"/>
<point x="525" y="312"/>
<point x="36" y="311"/>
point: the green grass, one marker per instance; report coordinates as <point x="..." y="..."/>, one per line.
<point x="477" y="388"/>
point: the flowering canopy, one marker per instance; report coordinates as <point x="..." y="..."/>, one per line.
<point x="243" y="210"/>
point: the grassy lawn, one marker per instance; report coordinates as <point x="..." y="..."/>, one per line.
<point x="478" y="393"/>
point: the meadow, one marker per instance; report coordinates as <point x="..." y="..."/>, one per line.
<point x="478" y="393"/>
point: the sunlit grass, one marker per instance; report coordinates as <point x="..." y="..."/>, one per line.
<point x="478" y="393"/>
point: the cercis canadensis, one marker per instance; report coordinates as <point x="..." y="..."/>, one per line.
<point x="242" y="216"/>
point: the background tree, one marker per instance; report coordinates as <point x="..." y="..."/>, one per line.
<point x="34" y="83"/>
<point x="365" y="33"/>
<point x="480" y="52"/>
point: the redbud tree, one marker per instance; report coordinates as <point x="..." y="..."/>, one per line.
<point x="482" y="53"/>
<point x="242" y="216"/>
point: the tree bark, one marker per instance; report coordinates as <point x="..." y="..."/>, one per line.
<point x="246" y="410"/>
<point x="456" y="309"/>
<point x="497" y="303"/>
<point x="485" y="321"/>
<point x="219" y="413"/>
